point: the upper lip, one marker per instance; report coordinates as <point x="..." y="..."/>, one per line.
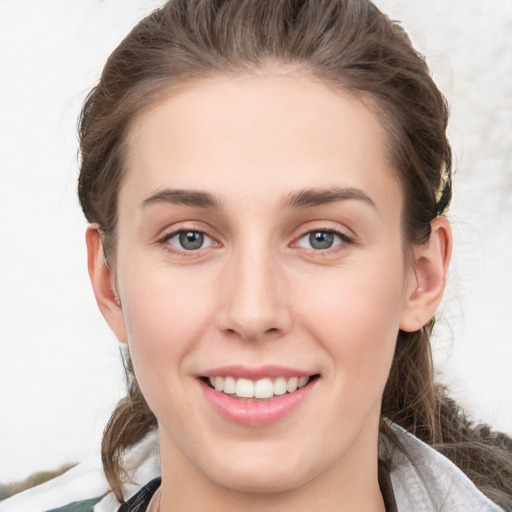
<point x="255" y="372"/>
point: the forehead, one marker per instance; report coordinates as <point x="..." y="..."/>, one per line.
<point x="248" y="133"/>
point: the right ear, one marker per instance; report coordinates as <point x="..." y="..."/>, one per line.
<point x="103" y="283"/>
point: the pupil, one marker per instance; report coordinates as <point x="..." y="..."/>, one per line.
<point x="191" y="240"/>
<point x="321" y="239"/>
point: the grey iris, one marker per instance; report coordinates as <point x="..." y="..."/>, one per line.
<point x="191" y="240"/>
<point x="321" y="239"/>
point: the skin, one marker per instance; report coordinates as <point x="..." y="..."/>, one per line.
<point x="258" y="293"/>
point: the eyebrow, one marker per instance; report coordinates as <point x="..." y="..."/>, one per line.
<point x="308" y="198"/>
<point x="185" y="197"/>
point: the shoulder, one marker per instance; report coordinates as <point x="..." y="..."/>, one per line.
<point x="140" y="501"/>
<point x="84" y="488"/>
<point x="78" y="506"/>
<point x="79" y="488"/>
<point x="425" y="480"/>
<point x="137" y="503"/>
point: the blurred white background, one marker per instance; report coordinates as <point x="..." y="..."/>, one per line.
<point x="60" y="373"/>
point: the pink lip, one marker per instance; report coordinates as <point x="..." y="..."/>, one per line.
<point x="255" y="373"/>
<point x="258" y="413"/>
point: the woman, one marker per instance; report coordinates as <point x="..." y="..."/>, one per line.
<point x="265" y="184"/>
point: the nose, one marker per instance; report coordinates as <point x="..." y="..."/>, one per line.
<point x="254" y="305"/>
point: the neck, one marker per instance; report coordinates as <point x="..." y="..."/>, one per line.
<point x="347" y="484"/>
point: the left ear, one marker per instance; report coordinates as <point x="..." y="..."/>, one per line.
<point x="427" y="278"/>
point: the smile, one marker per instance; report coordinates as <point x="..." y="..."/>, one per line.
<point x="260" y="389"/>
<point x="256" y="398"/>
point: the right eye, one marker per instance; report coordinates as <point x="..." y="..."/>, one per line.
<point x="189" y="240"/>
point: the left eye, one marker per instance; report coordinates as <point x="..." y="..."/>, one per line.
<point x="320" y="240"/>
<point x="190" y="240"/>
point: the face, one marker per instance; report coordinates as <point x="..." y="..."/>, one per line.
<point x="259" y="252"/>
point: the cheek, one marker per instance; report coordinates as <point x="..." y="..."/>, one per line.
<point x="356" y="316"/>
<point x="165" y="319"/>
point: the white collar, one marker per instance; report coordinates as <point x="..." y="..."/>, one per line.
<point x="426" y="481"/>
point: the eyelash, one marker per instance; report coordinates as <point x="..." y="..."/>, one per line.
<point x="344" y="240"/>
<point x="165" y="239"/>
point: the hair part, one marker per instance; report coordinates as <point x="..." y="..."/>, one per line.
<point x="346" y="44"/>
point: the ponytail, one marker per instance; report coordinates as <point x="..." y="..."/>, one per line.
<point x="130" y="422"/>
<point x="413" y="401"/>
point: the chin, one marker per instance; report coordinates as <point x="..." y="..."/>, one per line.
<point x="264" y="473"/>
<point x="248" y="480"/>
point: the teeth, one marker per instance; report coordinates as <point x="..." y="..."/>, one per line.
<point x="292" y="383"/>
<point x="302" y="382"/>
<point x="244" y="388"/>
<point x="262" y="388"/>
<point x="219" y="384"/>
<point x="229" y="385"/>
<point x="280" y="386"/>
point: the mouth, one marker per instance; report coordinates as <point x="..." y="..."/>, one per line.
<point x="265" y="388"/>
<point x="257" y="398"/>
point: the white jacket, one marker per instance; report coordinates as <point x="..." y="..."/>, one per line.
<point x="431" y="484"/>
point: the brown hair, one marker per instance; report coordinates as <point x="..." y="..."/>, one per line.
<point x="349" y="45"/>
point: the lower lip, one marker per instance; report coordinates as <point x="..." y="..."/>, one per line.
<point x="257" y="413"/>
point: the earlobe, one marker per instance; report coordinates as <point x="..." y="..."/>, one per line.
<point x="103" y="283"/>
<point x="427" y="280"/>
